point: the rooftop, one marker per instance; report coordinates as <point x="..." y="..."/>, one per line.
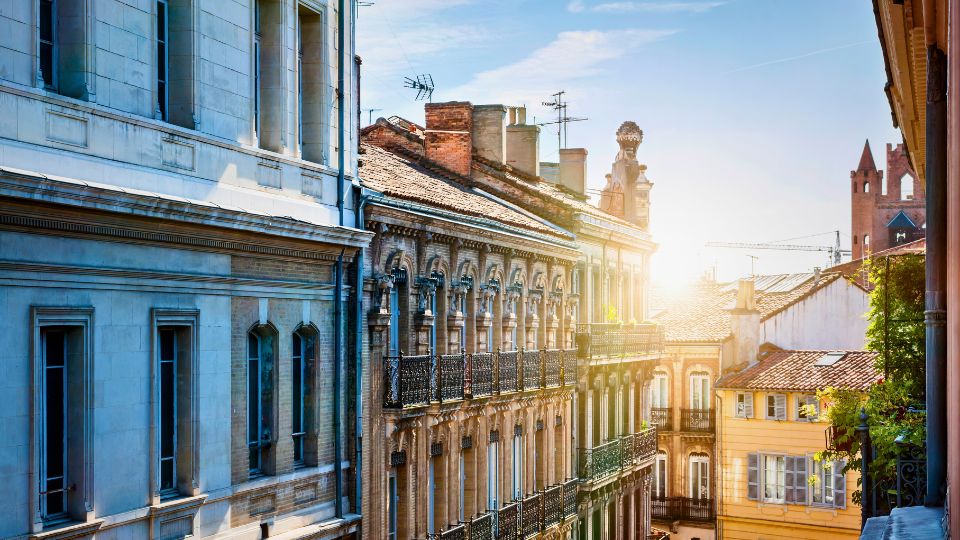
<point x="806" y="371"/>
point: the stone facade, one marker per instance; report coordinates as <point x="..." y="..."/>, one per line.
<point x="878" y="199"/>
<point x="155" y="220"/>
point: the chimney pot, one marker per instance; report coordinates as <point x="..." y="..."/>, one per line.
<point x="448" y="139"/>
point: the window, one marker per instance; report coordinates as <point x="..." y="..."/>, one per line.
<point x="699" y="476"/>
<point x="163" y="58"/>
<point x="828" y="486"/>
<point x="659" y="391"/>
<point x="432" y="299"/>
<point x="304" y="346"/>
<point x="259" y="399"/>
<point x="392" y="501"/>
<point x="517" y="466"/>
<point x="807" y="404"/>
<point x="776" y="407"/>
<point x="48" y="43"/>
<point x="312" y="94"/>
<point x="906" y="187"/>
<point x="431" y="495"/>
<point x="660" y="476"/>
<point x="866" y="241"/>
<point x="394" y="321"/>
<point x="257" y="46"/>
<point x="866" y="187"/>
<point x="774" y="478"/>
<point x="461" y="497"/>
<point x="493" y="472"/>
<point x="168" y="359"/>
<point x="699" y="390"/>
<point x="883" y="186"/>
<point x="744" y="405"/>
<point x="56" y="402"/>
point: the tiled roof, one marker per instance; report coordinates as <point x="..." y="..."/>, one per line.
<point x="701" y="314"/>
<point x="403" y="177"/>
<point x="798" y="371"/>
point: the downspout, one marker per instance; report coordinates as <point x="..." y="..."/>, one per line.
<point x="361" y="202"/>
<point x="338" y="286"/>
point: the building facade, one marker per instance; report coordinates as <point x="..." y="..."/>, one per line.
<point x="773" y="482"/>
<point x="175" y="236"/>
<point x="889" y="209"/>
<point x="499" y="406"/>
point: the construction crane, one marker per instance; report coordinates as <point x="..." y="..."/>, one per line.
<point x="835" y="253"/>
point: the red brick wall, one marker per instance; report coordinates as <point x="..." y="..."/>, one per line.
<point x="388" y="139"/>
<point x="448" y="139"/>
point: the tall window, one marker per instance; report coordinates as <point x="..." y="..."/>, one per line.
<point x="163" y="58"/>
<point x="168" y="360"/>
<point x="55" y="448"/>
<point x="257" y="43"/>
<point x="303" y="358"/>
<point x="660" y="476"/>
<point x="431" y="495"/>
<point x="866" y="187"/>
<point x="493" y="472"/>
<point x="259" y="399"/>
<point x="823" y="489"/>
<point x="866" y="242"/>
<point x="436" y="320"/>
<point x="774" y="478"/>
<point x="300" y="16"/>
<point x="699" y="390"/>
<point x="461" y="494"/>
<point x="699" y="476"/>
<point x="659" y="391"/>
<point x="392" y="507"/>
<point x="517" y="466"/>
<point x="48" y="43"/>
<point x="906" y="188"/>
<point x="776" y="407"/>
<point x="513" y="331"/>
<point x="394" y="321"/>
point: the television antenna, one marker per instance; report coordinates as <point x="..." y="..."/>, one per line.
<point x="560" y="105"/>
<point x="370" y="115"/>
<point x="423" y="84"/>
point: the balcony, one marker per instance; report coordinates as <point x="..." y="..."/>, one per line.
<point x="618" y="340"/>
<point x="417" y="381"/>
<point x="662" y="417"/>
<point x="508" y="522"/>
<point x="682" y="509"/>
<point x="616" y="455"/>
<point x="536" y="513"/>
<point x="531" y="515"/>
<point x="698" y="420"/>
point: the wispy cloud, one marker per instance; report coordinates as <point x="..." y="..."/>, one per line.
<point x="799" y="56"/>
<point x="572" y="58"/>
<point x="577" y="6"/>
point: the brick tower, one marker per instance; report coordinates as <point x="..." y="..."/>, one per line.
<point x="886" y="209"/>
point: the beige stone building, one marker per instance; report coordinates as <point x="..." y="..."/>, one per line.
<point x="497" y="401"/>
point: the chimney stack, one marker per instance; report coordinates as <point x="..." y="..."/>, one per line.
<point x="573" y="169"/>
<point x="448" y="138"/>
<point x="490" y="132"/>
<point x="523" y="143"/>
<point x="745" y="328"/>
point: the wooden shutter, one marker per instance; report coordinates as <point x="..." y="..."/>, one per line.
<point x="839" y="485"/>
<point x="748" y="404"/>
<point x="800" y="478"/>
<point x="789" y="477"/>
<point x="780" y="406"/>
<point x="753" y="476"/>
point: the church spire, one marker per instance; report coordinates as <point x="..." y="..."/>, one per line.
<point x="866" y="159"/>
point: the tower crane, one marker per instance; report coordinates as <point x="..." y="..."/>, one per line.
<point x="834" y="251"/>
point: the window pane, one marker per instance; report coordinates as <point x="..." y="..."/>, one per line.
<point x="54" y="458"/>
<point x="167" y="408"/>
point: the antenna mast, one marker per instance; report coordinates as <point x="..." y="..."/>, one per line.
<point x="423" y="84"/>
<point x="560" y="105"/>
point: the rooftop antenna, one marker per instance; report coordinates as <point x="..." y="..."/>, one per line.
<point x="753" y="260"/>
<point x="366" y="3"/>
<point x="370" y="115"/>
<point x="558" y="104"/>
<point x="423" y="84"/>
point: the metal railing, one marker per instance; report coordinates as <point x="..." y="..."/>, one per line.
<point x="531" y="515"/>
<point x="662" y="417"/>
<point x="508" y="522"/>
<point x="414" y="381"/>
<point x="570" y="498"/>
<point x="613" y="339"/>
<point x="458" y="532"/>
<point x="617" y="454"/>
<point x="698" y="420"/>
<point x="481" y="527"/>
<point x="682" y="508"/>
<point x="908" y="487"/>
<point x="552" y="505"/>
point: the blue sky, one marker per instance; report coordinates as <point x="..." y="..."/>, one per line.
<point x="754" y="111"/>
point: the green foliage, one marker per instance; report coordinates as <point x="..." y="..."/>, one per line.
<point x="896" y="331"/>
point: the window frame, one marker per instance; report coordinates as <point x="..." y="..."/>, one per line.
<point x="162" y="73"/>
<point x="266" y="400"/>
<point x="660" y="466"/>
<point x="802" y="399"/>
<point x="700" y="381"/>
<point x="766" y="406"/>
<point x="53" y="43"/>
<point x="306" y="356"/>
<point x="660" y="397"/>
<point x="699" y="460"/>
<point x="748" y="399"/>
<point x="781" y="472"/>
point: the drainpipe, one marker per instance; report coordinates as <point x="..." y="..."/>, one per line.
<point x="935" y="314"/>
<point x="360" y="202"/>
<point x="338" y="287"/>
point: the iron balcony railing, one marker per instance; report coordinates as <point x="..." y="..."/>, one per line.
<point x="570" y="498"/>
<point x="458" y="532"/>
<point x="662" y="417"/>
<point x="617" y="454"/>
<point x="698" y="420"/>
<point x="552" y="505"/>
<point x="415" y="381"/>
<point x="614" y="339"/>
<point x="682" y="508"/>
<point x="481" y="527"/>
<point x="508" y="522"/>
<point x="531" y="515"/>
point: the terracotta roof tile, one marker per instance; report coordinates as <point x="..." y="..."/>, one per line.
<point x="798" y="371"/>
<point x="401" y="176"/>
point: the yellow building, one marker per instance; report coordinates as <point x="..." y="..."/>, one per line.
<point x="771" y="485"/>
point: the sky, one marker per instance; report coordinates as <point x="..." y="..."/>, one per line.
<point x="754" y="112"/>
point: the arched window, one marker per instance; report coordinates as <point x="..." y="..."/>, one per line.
<point x="700" y="390"/>
<point x="866" y="187"/>
<point x="906" y="187"/>
<point x="660" y="476"/>
<point x="260" y="406"/>
<point x="866" y="241"/>
<point x="699" y="476"/>
<point x="301" y="395"/>
<point x="659" y="391"/>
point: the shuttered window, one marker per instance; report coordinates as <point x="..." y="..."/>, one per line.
<point x="776" y="407"/>
<point x="796" y="480"/>
<point x="808" y="408"/>
<point x="744" y="405"/>
<point x="829" y="484"/>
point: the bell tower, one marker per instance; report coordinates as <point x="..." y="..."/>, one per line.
<point x="865" y="187"/>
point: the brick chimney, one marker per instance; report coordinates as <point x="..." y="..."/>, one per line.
<point x="573" y="169"/>
<point x="523" y="142"/>
<point x="448" y="138"/>
<point x="745" y="328"/>
<point x="490" y="132"/>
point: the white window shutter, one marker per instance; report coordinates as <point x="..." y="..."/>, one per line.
<point x="839" y="485"/>
<point x="753" y="476"/>
<point x="780" y="406"/>
<point x="748" y="404"/>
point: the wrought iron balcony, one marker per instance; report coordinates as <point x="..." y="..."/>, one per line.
<point x="552" y="505"/>
<point x="481" y="527"/>
<point x="703" y="420"/>
<point x="682" y="508"/>
<point x="450" y="368"/>
<point x="531" y="515"/>
<point x="532" y="379"/>
<point x="507" y="370"/>
<point x="617" y="454"/>
<point x="606" y="339"/>
<point x="552" y="365"/>
<point x="508" y="522"/>
<point x="662" y="417"/>
<point x="570" y="367"/>
<point x="458" y="532"/>
<point x="481" y="374"/>
<point x="407" y="381"/>
<point x="570" y="498"/>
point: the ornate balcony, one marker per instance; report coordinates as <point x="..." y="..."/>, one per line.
<point x="450" y="368"/>
<point x="458" y="532"/>
<point x="552" y="505"/>
<point x="615" y="455"/>
<point x="552" y="365"/>
<point x="618" y="340"/>
<point x="570" y="367"/>
<point x="682" y="508"/>
<point x="532" y="379"/>
<point x="481" y="374"/>
<point x="407" y="381"/>
<point x="508" y="522"/>
<point x="662" y="417"/>
<point x="507" y="372"/>
<point x="570" y="498"/>
<point x="702" y="420"/>
<point x="531" y="515"/>
<point x="481" y="527"/>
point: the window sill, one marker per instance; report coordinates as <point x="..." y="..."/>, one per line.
<point x="177" y="504"/>
<point x="69" y="530"/>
